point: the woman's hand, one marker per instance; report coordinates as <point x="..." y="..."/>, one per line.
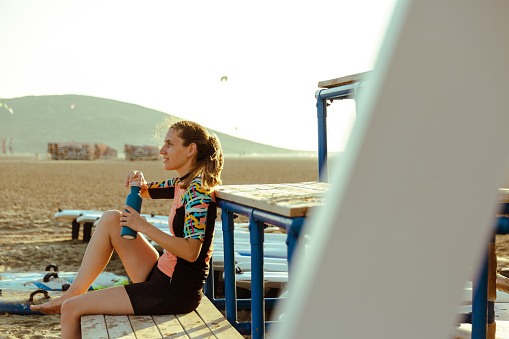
<point x="135" y="178"/>
<point x="133" y="219"/>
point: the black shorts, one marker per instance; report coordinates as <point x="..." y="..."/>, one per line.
<point x="157" y="295"/>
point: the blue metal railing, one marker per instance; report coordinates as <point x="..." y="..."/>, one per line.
<point x="257" y="220"/>
<point x="258" y="217"/>
<point x="322" y="95"/>
<point x="481" y="308"/>
<point x="480" y="303"/>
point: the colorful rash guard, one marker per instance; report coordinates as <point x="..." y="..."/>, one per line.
<point x="193" y="213"/>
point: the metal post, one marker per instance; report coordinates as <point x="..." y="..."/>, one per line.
<point x="492" y="289"/>
<point x="75" y="229"/>
<point x="480" y="303"/>
<point x="335" y="93"/>
<point x="87" y="231"/>
<point x="230" y="290"/>
<point x="257" y="296"/>
<point x="292" y="240"/>
<point x="293" y="236"/>
<point x="321" y="108"/>
<point x="256" y="226"/>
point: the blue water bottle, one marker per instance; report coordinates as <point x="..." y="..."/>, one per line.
<point x="134" y="200"/>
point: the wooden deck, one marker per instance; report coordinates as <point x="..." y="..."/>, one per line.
<point x="205" y="322"/>
<point x="289" y="200"/>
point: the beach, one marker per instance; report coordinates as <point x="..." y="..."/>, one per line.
<point x="33" y="190"/>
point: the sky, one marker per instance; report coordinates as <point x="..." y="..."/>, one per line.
<point x="171" y="56"/>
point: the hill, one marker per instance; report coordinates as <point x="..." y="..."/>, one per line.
<point x="33" y="121"/>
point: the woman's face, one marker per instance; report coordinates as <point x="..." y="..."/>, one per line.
<point x="176" y="156"/>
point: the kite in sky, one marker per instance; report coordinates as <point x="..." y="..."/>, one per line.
<point x="7" y="107"/>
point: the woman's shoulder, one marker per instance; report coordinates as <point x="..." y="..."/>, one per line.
<point x="196" y="187"/>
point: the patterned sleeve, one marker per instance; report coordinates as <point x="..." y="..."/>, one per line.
<point x="162" y="189"/>
<point x="197" y="200"/>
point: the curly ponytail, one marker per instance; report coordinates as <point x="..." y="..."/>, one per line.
<point x="209" y="157"/>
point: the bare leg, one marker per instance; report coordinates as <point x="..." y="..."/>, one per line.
<point x="137" y="255"/>
<point x="112" y="300"/>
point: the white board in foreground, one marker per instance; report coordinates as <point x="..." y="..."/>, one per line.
<point x="416" y="189"/>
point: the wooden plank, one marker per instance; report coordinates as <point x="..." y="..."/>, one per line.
<point x="215" y="320"/>
<point x="93" y="327"/>
<point x="119" y="327"/>
<point x="315" y="186"/>
<point x="301" y="190"/>
<point x="194" y="326"/>
<point x="290" y="200"/>
<point x="169" y="327"/>
<point x="205" y="322"/>
<point x="144" y="327"/>
<point x="346" y="80"/>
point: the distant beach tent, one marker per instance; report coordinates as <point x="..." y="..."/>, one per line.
<point x="141" y="152"/>
<point x="225" y="78"/>
<point x="80" y="151"/>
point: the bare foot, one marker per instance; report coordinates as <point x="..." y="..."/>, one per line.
<point x="51" y="307"/>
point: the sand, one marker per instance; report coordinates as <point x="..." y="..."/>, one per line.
<point x="33" y="190"/>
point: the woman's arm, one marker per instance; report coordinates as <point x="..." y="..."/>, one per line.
<point x="159" y="190"/>
<point x="187" y="249"/>
<point x="152" y="190"/>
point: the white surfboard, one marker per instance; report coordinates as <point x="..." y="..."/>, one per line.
<point x="54" y="280"/>
<point x="74" y="214"/>
<point x="244" y="242"/>
<point x="218" y="260"/>
<point x="20" y="290"/>
<point x="277" y="280"/>
<point x="502" y="297"/>
<point x="245" y="227"/>
<point x="244" y="234"/>
<point x="267" y="267"/>
<point x="88" y="218"/>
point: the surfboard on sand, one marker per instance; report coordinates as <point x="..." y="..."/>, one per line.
<point x="74" y="214"/>
<point x="20" y="290"/>
<point x="277" y="280"/>
<point x="91" y="216"/>
<point x="88" y="218"/>
<point x="18" y="302"/>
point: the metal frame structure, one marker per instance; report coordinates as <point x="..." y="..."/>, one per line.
<point x="336" y="93"/>
<point x="257" y="303"/>
<point x="483" y="312"/>
<point x="257" y="220"/>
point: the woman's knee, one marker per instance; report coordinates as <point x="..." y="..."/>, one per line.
<point x="110" y="218"/>
<point x="70" y="309"/>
